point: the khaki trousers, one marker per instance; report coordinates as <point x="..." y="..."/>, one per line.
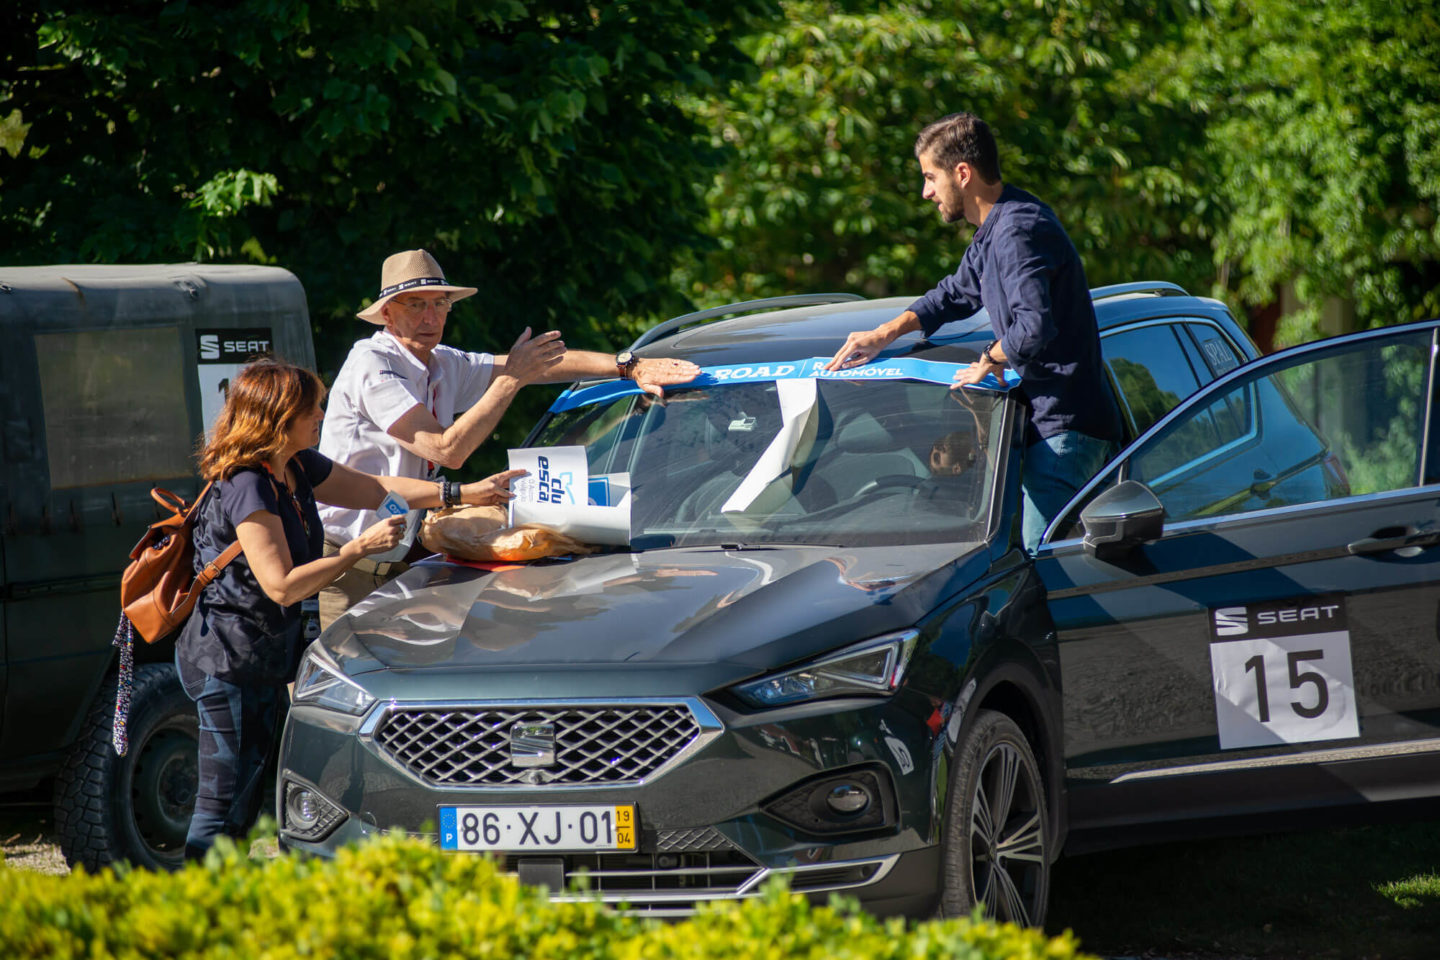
<point x="354" y="584"/>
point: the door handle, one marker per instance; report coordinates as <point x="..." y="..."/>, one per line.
<point x="1379" y="544"/>
<point x="1263" y="483"/>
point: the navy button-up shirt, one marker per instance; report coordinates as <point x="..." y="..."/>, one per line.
<point x="1023" y="269"/>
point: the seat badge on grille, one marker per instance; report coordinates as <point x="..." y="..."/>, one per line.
<point x="532" y="745"/>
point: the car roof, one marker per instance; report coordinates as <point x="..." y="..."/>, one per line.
<point x="818" y="330"/>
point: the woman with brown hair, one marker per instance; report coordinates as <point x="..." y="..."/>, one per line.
<point x="243" y="641"/>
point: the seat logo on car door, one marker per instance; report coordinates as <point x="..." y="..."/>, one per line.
<point x="1282" y="673"/>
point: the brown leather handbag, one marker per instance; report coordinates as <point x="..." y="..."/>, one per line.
<point x="160" y="586"/>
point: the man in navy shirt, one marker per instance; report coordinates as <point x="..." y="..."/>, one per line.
<point x="1022" y="268"/>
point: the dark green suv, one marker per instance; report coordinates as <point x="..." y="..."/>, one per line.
<point x="822" y="652"/>
<point x="108" y="375"/>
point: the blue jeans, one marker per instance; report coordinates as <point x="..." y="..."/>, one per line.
<point x="1055" y="470"/>
<point x="237" y="730"/>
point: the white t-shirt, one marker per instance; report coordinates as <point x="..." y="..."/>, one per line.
<point x="379" y="383"/>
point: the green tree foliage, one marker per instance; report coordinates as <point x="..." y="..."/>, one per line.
<point x="1322" y="148"/>
<point x="535" y="147"/>
<point x="1234" y="146"/>
<point x="824" y="190"/>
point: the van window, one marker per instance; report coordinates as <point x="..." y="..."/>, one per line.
<point x="114" y="403"/>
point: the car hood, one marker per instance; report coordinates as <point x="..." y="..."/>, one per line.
<point x="751" y="609"/>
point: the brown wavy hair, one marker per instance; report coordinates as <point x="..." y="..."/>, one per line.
<point x="261" y="406"/>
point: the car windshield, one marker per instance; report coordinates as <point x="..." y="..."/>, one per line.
<point x="840" y="463"/>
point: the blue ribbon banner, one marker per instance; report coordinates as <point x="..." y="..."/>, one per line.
<point x="895" y="368"/>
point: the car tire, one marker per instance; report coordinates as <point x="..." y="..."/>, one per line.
<point x="997" y="846"/>
<point x="134" y="808"/>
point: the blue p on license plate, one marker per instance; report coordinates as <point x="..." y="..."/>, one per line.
<point x="512" y="829"/>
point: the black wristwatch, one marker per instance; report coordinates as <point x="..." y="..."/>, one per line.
<point x="986" y="353"/>
<point x="625" y="363"/>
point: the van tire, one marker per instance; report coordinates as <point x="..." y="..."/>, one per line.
<point x="134" y="808"/>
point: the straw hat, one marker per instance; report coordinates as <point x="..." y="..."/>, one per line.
<point x="406" y="271"/>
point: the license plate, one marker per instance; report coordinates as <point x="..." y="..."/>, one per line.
<point x="545" y="828"/>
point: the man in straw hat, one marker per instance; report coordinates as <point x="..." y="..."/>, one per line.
<point x="393" y="408"/>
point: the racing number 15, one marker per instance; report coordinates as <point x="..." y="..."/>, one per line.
<point x="1294" y="689"/>
<point x="1297" y="680"/>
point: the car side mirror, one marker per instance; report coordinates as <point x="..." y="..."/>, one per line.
<point x="1122" y="518"/>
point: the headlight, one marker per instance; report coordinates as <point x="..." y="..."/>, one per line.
<point x="872" y="668"/>
<point x="320" y="683"/>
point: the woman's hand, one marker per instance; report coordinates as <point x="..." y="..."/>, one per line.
<point x="491" y="491"/>
<point x="377" y="538"/>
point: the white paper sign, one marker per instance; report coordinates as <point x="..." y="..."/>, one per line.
<point x="556" y="494"/>
<point x="797" y="405"/>
<point x="1286" y="675"/>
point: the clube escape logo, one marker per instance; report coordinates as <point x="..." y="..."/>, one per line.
<point x="553" y="487"/>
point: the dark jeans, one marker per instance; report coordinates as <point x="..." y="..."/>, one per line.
<point x="237" y="731"/>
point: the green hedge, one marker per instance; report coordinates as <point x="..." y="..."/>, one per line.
<point x="396" y="898"/>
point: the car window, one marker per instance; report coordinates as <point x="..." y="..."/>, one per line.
<point x="1338" y="423"/>
<point x="835" y="462"/>
<point x="1216" y="352"/>
<point x="1209" y="350"/>
<point x="1151" y="371"/>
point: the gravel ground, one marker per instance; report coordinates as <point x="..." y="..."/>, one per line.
<point x="26" y="839"/>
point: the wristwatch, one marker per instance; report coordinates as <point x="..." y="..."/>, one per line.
<point x="624" y="363"/>
<point x="986" y="353"/>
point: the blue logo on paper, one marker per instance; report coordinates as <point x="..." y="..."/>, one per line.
<point x="554" y="487"/>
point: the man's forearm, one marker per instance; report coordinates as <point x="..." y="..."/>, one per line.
<point x="907" y="322"/>
<point x="581" y="365"/>
<point x="470" y="429"/>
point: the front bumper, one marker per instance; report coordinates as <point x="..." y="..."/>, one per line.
<point x="713" y="823"/>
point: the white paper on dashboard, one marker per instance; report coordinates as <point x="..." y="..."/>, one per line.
<point x="797" y="406"/>
<point x="555" y="495"/>
<point x="591" y="524"/>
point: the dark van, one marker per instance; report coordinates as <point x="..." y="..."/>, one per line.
<point x="109" y="375"/>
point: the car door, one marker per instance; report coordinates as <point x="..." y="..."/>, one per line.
<point x="1277" y="646"/>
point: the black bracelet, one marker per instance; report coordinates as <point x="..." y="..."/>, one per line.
<point x="986" y="353"/>
<point x="449" y="493"/>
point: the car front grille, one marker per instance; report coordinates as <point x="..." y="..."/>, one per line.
<point x="710" y="868"/>
<point x="675" y="870"/>
<point x="594" y="744"/>
<point x="662" y="878"/>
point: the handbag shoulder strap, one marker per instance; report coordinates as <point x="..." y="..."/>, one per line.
<point x="212" y="569"/>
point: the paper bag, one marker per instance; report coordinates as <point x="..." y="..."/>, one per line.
<point x="480" y="533"/>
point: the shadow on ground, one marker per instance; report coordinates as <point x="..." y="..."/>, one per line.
<point x="1363" y="892"/>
